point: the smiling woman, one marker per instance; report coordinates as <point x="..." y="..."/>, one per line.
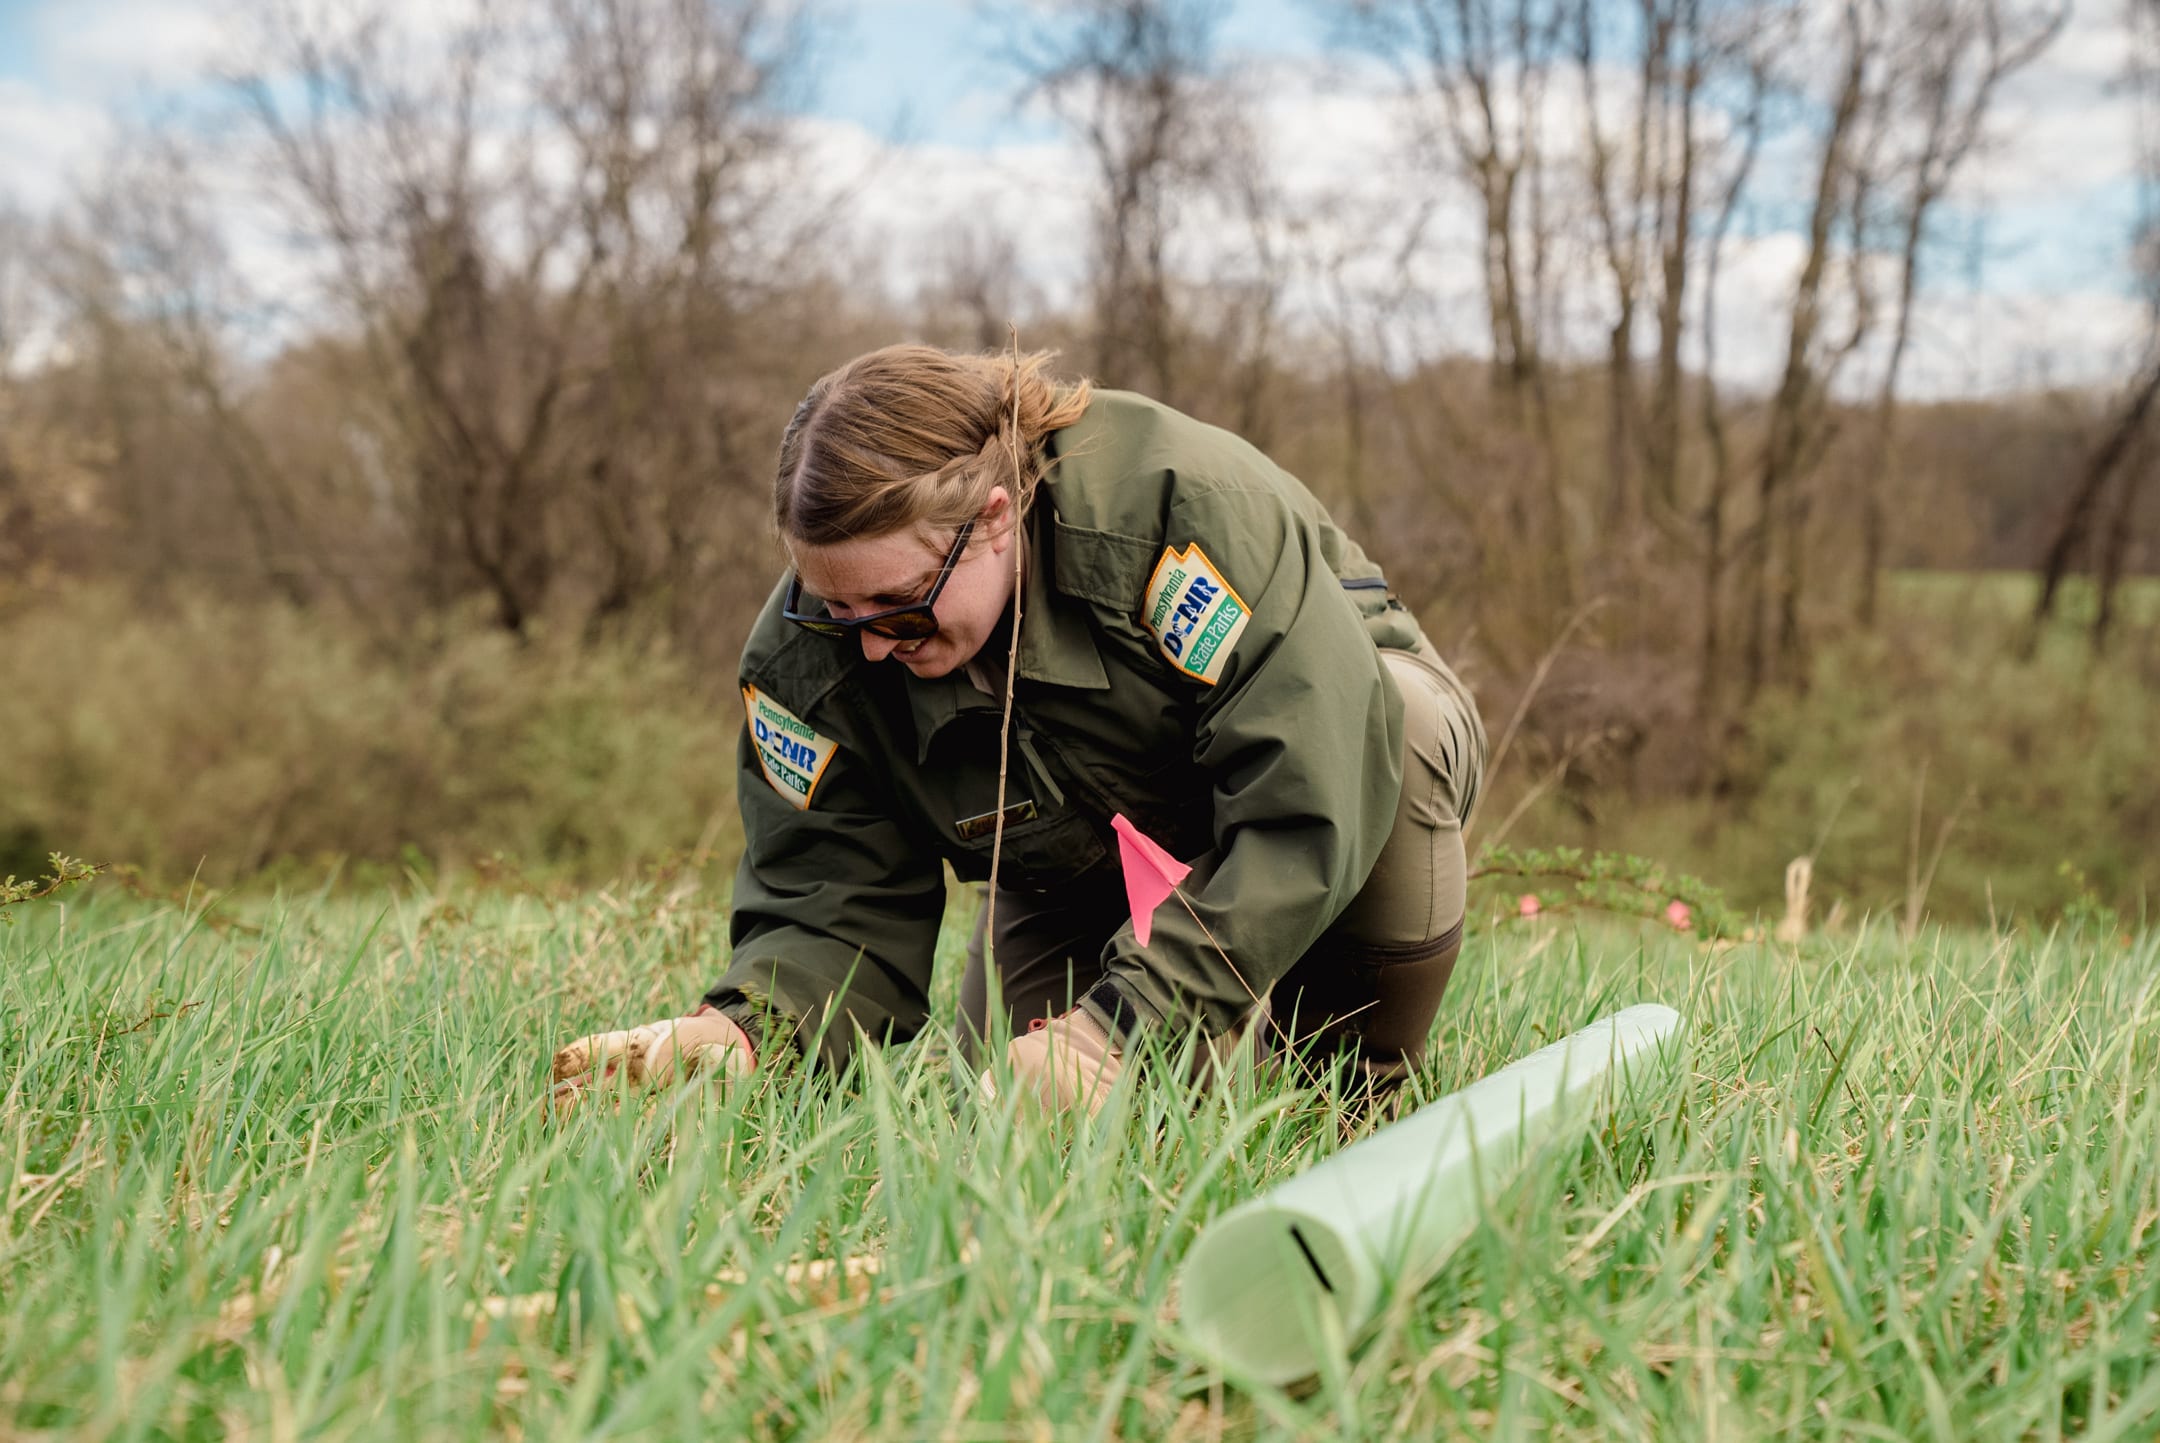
<point x="905" y="613"/>
<point x="903" y="456"/>
<point x="1200" y="649"/>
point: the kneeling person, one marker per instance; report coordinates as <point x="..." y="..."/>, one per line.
<point x="1200" y="648"/>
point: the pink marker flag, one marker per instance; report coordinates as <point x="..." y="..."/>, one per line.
<point x="1151" y="874"/>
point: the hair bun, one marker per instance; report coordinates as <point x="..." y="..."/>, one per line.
<point x="881" y="444"/>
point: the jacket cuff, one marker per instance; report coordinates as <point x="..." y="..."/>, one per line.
<point x="770" y="1030"/>
<point x="1116" y="1011"/>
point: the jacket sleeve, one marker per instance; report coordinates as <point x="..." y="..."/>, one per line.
<point x="835" y="918"/>
<point x="1301" y="738"/>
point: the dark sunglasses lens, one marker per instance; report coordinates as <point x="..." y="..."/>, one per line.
<point x="823" y="626"/>
<point x="906" y="625"/>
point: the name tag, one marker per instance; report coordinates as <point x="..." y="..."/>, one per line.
<point x="974" y="828"/>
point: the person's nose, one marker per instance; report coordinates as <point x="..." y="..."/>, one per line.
<point x="875" y="647"/>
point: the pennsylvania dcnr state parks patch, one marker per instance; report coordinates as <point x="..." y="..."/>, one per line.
<point x="1195" y="616"/>
<point x="793" y="754"/>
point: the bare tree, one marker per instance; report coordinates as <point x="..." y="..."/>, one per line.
<point x="673" y="112"/>
<point x="2107" y="459"/>
<point x="1479" y="72"/>
<point x="545" y="236"/>
<point x="1331" y="241"/>
<point x="976" y="285"/>
<point x="18" y="541"/>
<point x="1247" y="300"/>
<point x="2115" y="543"/>
<point x="1721" y="468"/>
<point x="1955" y="56"/>
<point x="1642" y="184"/>
<point x="1797" y="422"/>
<point x="2122" y="454"/>
<point x="376" y="151"/>
<point x="1138" y="83"/>
<point x="151" y="282"/>
<point x="18" y="300"/>
<point x="1483" y="66"/>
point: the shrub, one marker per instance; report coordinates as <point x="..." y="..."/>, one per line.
<point x="2040" y="763"/>
<point x="223" y="738"/>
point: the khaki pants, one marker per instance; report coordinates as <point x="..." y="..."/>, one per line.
<point x="1373" y="982"/>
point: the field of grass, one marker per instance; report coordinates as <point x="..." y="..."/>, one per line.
<point x="290" y="1179"/>
<point x="2011" y="594"/>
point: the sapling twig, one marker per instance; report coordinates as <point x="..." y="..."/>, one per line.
<point x="66" y="872"/>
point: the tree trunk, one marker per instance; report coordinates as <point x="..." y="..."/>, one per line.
<point x="1783" y="515"/>
<point x="2115" y="545"/>
<point x="2077" y="515"/>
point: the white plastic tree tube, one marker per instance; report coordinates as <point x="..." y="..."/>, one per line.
<point x="1276" y="1285"/>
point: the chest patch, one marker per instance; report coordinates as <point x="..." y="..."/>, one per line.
<point x="792" y="752"/>
<point x="1194" y="615"/>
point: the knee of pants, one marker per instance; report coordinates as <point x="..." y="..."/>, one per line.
<point x="1440" y="722"/>
<point x="1043" y="958"/>
<point x="1416" y="889"/>
<point x="1376" y="1002"/>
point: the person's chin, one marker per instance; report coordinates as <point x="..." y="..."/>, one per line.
<point x="930" y="663"/>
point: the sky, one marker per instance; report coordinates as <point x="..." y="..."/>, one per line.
<point x="909" y="97"/>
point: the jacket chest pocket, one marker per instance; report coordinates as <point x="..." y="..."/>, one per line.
<point x="1158" y="800"/>
<point x="1049" y="837"/>
<point x="1041" y="850"/>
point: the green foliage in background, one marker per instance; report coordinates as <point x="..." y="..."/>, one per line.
<point x="219" y="743"/>
<point x="2014" y="768"/>
<point x="217" y="740"/>
<point x="61" y="872"/>
<point x="1624" y="886"/>
<point x="295" y="1181"/>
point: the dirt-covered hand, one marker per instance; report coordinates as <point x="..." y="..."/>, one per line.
<point x="1066" y="1064"/>
<point x="671" y="1050"/>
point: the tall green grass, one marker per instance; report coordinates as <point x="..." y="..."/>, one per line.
<point x="260" y="1183"/>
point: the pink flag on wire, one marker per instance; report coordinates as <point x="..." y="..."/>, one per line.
<point x="1151" y="874"/>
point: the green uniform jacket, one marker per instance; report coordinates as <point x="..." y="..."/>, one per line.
<point x="1195" y="652"/>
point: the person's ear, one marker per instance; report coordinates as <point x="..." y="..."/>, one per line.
<point x="997" y="520"/>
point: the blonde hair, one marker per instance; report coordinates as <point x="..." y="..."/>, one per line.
<point x="914" y="436"/>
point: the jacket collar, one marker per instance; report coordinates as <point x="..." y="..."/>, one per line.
<point x="1057" y="642"/>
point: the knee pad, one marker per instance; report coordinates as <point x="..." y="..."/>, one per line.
<point x="1377" y="1003"/>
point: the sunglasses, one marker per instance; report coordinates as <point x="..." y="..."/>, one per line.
<point x="917" y="621"/>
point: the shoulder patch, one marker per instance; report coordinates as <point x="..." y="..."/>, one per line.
<point x="792" y="752"/>
<point x="1194" y="615"/>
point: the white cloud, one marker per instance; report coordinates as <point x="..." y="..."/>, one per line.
<point x="50" y="142"/>
<point x="1755" y="284"/>
<point x="108" y="47"/>
<point x="1334" y="142"/>
<point x="118" y="49"/>
<point x="1991" y="344"/>
<point x="905" y="201"/>
<point x="1963" y="343"/>
<point x="2067" y="122"/>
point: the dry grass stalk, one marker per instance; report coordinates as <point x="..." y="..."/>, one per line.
<point x="1799" y="873"/>
<point x="819" y="1282"/>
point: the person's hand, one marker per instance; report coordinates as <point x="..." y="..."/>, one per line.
<point x="654" y="1055"/>
<point x="1066" y="1064"/>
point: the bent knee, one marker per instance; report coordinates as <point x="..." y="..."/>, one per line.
<point x="1443" y="736"/>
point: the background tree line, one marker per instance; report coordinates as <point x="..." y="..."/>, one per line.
<point x="550" y="275"/>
